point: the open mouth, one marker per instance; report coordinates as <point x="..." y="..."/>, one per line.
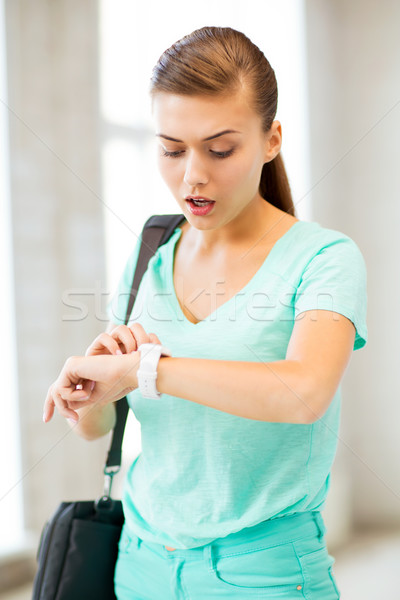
<point x="200" y="206"/>
<point x="201" y="202"/>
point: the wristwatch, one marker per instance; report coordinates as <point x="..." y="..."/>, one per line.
<point x="147" y="374"/>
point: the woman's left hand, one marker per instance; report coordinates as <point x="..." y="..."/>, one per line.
<point x="86" y="380"/>
<point x="121" y="340"/>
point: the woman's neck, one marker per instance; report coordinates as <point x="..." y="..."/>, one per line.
<point x="262" y="222"/>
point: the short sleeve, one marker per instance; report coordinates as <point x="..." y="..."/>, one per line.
<point x="116" y="309"/>
<point x="335" y="279"/>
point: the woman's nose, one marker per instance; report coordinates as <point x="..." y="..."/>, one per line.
<point x="195" y="171"/>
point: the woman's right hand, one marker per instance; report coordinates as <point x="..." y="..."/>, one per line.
<point x="93" y="422"/>
<point x="121" y="340"/>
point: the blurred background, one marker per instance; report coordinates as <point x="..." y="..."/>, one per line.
<point x="78" y="179"/>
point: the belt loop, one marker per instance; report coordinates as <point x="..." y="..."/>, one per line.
<point x="208" y="557"/>
<point x="319" y="523"/>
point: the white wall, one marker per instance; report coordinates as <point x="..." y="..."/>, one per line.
<point x="353" y="64"/>
<point x="58" y="237"/>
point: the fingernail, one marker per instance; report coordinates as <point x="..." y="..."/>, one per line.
<point x="118" y="352"/>
<point x="44" y="417"/>
<point x="92" y="385"/>
<point x="73" y="421"/>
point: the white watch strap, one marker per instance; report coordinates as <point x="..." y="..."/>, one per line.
<point x="147" y="374"/>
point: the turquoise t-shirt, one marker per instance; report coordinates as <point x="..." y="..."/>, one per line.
<point x="202" y="473"/>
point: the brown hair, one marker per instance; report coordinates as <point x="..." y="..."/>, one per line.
<point x="221" y="60"/>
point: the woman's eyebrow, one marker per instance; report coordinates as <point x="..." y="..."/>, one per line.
<point x="212" y="137"/>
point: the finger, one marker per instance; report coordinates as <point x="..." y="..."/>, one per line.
<point x="80" y="384"/>
<point x="49" y="412"/>
<point x="48" y="408"/>
<point x="93" y="397"/>
<point x="154" y="339"/>
<point x="88" y="386"/>
<point x="103" y="344"/>
<point x="140" y="334"/>
<point x="63" y="408"/>
<point x="67" y="393"/>
<point x="85" y="386"/>
<point x="76" y="405"/>
<point x="125" y="338"/>
<point x="79" y="395"/>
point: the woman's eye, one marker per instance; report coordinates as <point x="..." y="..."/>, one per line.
<point x="178" y="153"/>
<point x="223" y="154"/>
<point x="171" y="154"/>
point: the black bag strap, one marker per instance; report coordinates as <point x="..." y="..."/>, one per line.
<point x="156" y="231"/>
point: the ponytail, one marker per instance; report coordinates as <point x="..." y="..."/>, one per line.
<point x="274" y="185"/>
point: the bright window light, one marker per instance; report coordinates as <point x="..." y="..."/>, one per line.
<point x="11" y="515"/>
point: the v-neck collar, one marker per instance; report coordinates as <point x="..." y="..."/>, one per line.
<point x="170" y="277"/>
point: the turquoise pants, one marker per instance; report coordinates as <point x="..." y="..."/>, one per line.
<point x="279" y="558"/>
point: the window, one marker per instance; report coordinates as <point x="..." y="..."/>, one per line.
<point x="11" y="520"/>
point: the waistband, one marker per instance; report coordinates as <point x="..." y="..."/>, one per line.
<point x="280" y="530"/>
<point x="288" y="528"/>
<point x="266" y="534"/>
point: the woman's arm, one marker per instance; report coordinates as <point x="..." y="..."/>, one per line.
<point x="295" y="390"/>
<point x="94" y="421"/>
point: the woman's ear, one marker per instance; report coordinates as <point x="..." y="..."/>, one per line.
<point x="273" y="141"/>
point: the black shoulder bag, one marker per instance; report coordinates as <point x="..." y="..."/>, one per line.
<point x="79" y="545"/>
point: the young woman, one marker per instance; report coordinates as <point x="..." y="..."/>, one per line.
<point x="261" y="312"/>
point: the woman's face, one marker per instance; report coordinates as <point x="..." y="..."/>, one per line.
<point x="212" y="148"/>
